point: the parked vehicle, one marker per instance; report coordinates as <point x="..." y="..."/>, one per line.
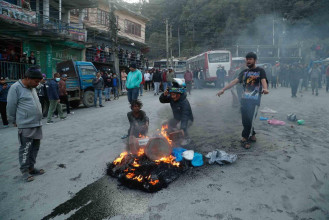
<point x="79" y="82"/>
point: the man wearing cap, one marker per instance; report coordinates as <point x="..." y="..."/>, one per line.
<point x="42" y="94"/>
<point x="4" y="87"/>
<point x="170" y="77"/>
<point x="24" y="110"/>
<point x="134" y="80"/>
<point x="63" y="95"/>
<point x="180" y="106"/>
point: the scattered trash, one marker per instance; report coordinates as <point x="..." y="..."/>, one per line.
<point x="291" y="117"/>
<point x="268" y="110"/>
<point x="276" y="122"/>
<point x="197" y="160"/>
<point x="301" y="122"/>
<point x="177" y="152"/>
<point x="188" y="155"/>
<point x="221" y="157"/>
<point x="263" y="118"/>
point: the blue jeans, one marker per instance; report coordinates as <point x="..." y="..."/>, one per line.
<point x="132" y="94"/>
<point x="141" y="87"/>
<point x="115" y="92"/>
<point x="169" y="84"/>
<point x="108" y="92"/>
<point x="98" y="93"/>
<point x="164" y="86"/>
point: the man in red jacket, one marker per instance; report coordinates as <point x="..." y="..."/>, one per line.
<point x="188" y="76"/>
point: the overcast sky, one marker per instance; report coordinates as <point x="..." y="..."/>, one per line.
<point x="131" y="1"/>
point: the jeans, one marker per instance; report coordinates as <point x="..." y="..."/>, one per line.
<point x="189" y="86"/>
<point x="164" y="86"/>
<point x="123" y="82"/>
<point x="54" y="105"/>
<point x="28" y="152"/>
<point x="115" y="92"/>
<point x="108" y="92"/>
<point x="315" y="85"/>
<point x="98" y="93"/>
<point x="156" y="87"/>
<point x="248" y="113"/>
<point x="141" y="87"/>
<point x="169" y="84"/>
<point x="294" y="87"/>
<point x="327" y="83"/>
<point x="3" y="112"/>
<point x="132" y="94"/>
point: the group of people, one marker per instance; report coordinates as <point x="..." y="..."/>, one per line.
<point x="12" y="56"/>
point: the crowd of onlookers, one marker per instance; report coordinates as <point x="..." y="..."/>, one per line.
<point x="13" y="56"/>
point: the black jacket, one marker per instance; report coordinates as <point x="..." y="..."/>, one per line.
<point x="157" y="76"/>
<point x="181" y="109"/>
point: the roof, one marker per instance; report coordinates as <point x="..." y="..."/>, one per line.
<point x="135" y="14"/>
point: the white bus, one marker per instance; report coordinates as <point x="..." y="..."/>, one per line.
<point x="209" y="62"/>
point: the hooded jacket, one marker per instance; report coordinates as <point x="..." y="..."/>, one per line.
<point x="157" y="76"/>
<point x="23" y="107"/>
<point x="134" y="79"/>
<point x="53" y="90"/>
<point x="181" y="109"/>
<point x="3" y="93"/>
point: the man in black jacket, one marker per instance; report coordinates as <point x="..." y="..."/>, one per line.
<point x="180" y="106"/>
<point x="157" y="80"/>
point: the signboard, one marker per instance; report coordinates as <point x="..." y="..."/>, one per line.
<point x="15" y="13"/>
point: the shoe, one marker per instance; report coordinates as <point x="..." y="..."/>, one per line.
<point x="155" y="94"/>
<point x="6" y="126"/>
<point x="109" y="100"/>
<point x="71" y="113"/>
<point x="50" y="122"/>
<point x="55" y="116"/>
<point x="101" y="106"/>
<point x="63" y="118"/>
<point x="124" y="136"/>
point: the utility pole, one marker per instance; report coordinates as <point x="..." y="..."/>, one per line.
<point x="171" y="58"/>
<point x="167" y="43"/>
<point x="113" y="33"/>
<point x="178" y="43"/>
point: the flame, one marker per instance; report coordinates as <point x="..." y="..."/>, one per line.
<point x="120" y="158"/>
<point x="170" y="159"/>
<point x="154" y="182"/>
<point x="135" y="164"/>
<point x="164" y="133"/>
<point x="140" y="152"/>
<point x="130" y="175"/>
<point x="139" y="178"/>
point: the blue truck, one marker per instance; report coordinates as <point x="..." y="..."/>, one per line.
<point x="79" y="81"/>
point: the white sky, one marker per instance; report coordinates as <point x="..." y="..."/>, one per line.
<point x="132" y="1"/>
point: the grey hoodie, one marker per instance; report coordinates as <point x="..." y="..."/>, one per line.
<point x="23" y="106"/>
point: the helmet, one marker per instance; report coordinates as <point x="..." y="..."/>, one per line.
<point x="179" y="86"/>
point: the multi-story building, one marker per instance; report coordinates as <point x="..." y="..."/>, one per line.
<point x="103" y="47"/>
<point x="39" y="33"/>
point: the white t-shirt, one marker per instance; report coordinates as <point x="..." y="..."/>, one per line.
<point x="147" y="77"/>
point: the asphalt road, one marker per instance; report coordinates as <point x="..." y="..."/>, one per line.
<point x="283" y="176"/>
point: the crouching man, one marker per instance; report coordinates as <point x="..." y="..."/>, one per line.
<point x="183" y="116"/>
<point x="139" y="122"/>
<point x="24" y="110"/>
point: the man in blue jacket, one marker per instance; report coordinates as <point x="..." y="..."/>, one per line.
<point x="54" y="101"/>
<point x="24" y="110"/>
<point x="134" y="80"/>
<point x="4" y="87"/>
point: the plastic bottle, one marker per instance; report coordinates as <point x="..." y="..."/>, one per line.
<point x="276" y="122"/>
<point x="263" y="118"/>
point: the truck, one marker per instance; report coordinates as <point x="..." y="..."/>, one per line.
<point x="80" y="75"/>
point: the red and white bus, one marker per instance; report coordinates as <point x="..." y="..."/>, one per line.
<point x="209" y="62"/>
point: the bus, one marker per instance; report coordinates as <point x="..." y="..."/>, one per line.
<point x="179" y="66"/>
<point x="209" y="62"/>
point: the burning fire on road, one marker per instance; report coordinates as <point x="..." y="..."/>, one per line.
<point x="149" y="165"/>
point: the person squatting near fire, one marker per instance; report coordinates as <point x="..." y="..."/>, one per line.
<point x="254" y="83"/>
<point x="24" y="110"/>
<point x="139" y="122"/>
<point x="181" y="108"/>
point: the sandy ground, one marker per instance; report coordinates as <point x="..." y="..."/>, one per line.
<point x="283" y="176"/>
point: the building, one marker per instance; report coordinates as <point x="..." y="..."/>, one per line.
<point x="114" y="34"/>
<point x="41" y="28"/>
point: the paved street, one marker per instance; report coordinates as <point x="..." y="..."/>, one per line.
<point x="283" y="176"/>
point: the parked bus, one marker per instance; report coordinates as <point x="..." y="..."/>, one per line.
<point x="179" y="66"/>
<point x="209" y="62"/>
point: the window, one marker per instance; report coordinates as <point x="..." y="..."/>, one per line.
<point x="102" y="17"/>
<point x="218" y="57"/>
<point x="75" y="12"/>
<point x="87" y="70"/>
<point x="133" y="28"/>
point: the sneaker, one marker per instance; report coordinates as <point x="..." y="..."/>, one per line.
<point x="6" y="126"/>
<point x="71" y="113"/>
<point x="50" y="122"/>
<point x="101" y="105"/>
<point x="55" y="116"/>
<point x="124" y="136"/>
<point x="64" y="118"/>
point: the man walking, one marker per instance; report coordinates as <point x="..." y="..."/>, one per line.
<point x="188" y="80"/>
<point x="314" y="75"/>
<point x="4" y="88"/>
<point x="63" y="95"/>
<point x="134" y="80"/>
<point x="24" y="110"/>
<point x="98" y="84"/>
<point x="327" y="79"/>
<point x="54" y="101"/>
<point x="43" y="95"/>
<point x="157" y="80"/>
<point x="170" y="77"/>
<point x="254" y="84"/>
